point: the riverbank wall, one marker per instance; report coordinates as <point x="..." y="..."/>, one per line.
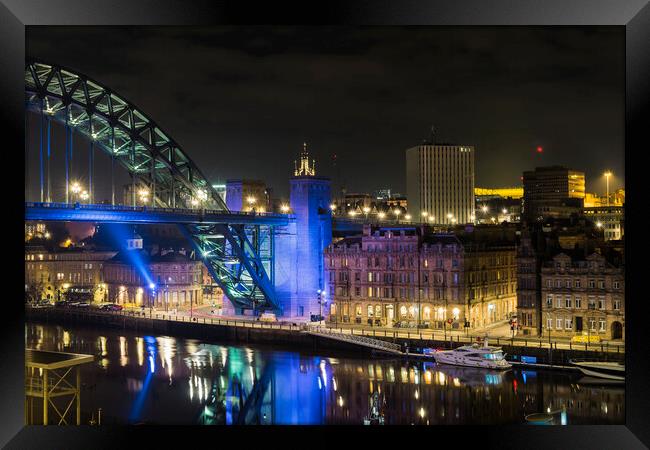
<point x="292" y="337"/>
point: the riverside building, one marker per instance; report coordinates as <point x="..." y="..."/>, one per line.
<point x="410" y="277"/>
<point x="583" y="296"/>
<point x="65" y="275"/>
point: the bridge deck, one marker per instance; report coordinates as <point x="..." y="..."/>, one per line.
<point x="143" y="214"/>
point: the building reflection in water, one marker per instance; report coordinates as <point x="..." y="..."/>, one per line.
<point x="179" y="381"/>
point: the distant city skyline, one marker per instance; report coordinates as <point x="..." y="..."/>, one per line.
<point x="242" y="100"/>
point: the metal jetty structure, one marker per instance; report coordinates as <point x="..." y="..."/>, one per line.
<point x="52" y="377"/>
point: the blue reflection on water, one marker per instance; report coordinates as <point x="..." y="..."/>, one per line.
<point x="138" y="404"/>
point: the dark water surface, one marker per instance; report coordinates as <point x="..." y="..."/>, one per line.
<point x="167" y="380"/>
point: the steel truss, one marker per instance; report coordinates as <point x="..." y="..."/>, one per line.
<point x="238" y="257"/>
<point x="122" y="131"/>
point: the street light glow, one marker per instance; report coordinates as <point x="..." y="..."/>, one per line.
<point x="284" y="208"/>
<point x="382" y="215"/>
<point x="407" y="217"/>
<point x="333" y="207"/>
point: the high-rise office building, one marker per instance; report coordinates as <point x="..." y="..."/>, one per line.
<point x="553" y="192"/>
<point x="440" y="183"/>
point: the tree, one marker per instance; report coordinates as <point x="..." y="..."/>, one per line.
<point x="34" y="292"/>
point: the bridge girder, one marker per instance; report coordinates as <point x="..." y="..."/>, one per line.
<point x="238" y="257"/>
<point x="122" y="131"/>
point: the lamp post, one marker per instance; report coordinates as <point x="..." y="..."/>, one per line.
<point x="75" y="189"/>
<point x="320" y="306"/>
<point x="397" y="212"/>
<point x="607" y="175"/>
<point x="424" y="215"/>
<point x="152" y="286"/>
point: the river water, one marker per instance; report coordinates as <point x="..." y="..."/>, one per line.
<point x="140" y="378"/>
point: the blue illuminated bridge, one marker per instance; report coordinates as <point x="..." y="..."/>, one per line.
<point x="253" y="257"/>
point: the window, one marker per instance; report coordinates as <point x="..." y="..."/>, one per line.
<point x="567" y="301"/>
<point x="358" y="310"/>
<point x="616" y="285"/>
<point x="60" y="276"/>
<point x="549" y="300"/>
<point x="370" y="277"/>
<point x="601" y="284"/>
<point x="357" y="276"/>
<point x="601" y="302"/>
<point x="567" y="324"/>
<point x="357" y="292"/>
<point x="370" y="311"/>
<point x="592" y="283"/>
<point x="617" y="305"/>
<point x="558" y="322"/>
<point x="601" y="324"/>
<point x="558" y="300"/>
<point x="567" y="284"/>
<point x="577" y="283"/>
<point x="549" y="283"/>
<point x="592" y="324"/>
<point x="301" y="311"/>
<point x="369" y="291"/>
<point x="578" y="302"/>
<point x="558" y="283"/>
<point x="454" y="263"/>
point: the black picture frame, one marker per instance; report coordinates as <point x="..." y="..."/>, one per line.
<point x="634" y="15"/>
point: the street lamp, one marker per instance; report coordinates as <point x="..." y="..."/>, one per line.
<point x="407" y="217"/>
<point x="75" y="188"/>
<point x="284" y="209"/>
<point x="366" y="210"/>
<point x="397" y="212"/>
<point x="333" y="207"/>
<point x="144" y="196"/>
<point x="152" y="286"/>
<point x="251" y="201"/>
<point x="352" y="213"/>
<point x="607" y="175"/>
<point x="381" y="215"/>
<point x="424" y="215"/>
<point x="84" y="196"/>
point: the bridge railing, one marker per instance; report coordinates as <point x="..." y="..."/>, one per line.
<point x="358" y="339"/>
<point x="105" y="207"/>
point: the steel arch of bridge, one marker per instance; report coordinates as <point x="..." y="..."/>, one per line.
<point x="122" y="131"/>
<point x="238" y="256"/>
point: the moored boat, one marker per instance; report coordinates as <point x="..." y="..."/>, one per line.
<point x="601" y="369"/>
<point x="474" y="355"/>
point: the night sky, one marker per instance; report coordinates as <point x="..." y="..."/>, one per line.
<point x="241" y="101"/>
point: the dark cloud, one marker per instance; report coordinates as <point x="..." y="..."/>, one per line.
<point x="241" y="100"/>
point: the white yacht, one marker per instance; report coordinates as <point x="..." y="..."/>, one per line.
<point x="601" y="369"/>
<point x="474" y="355"/>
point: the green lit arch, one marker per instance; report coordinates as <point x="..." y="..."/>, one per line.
<point x="121" y="130"/>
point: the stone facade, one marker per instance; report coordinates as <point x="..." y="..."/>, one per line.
<point x="583" y="297"/>
<point x="409" y="276"/>
<point x="177" y="280"/>
<point x="64" y="275"/>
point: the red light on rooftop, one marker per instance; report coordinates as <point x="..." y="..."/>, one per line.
<point x="540" y="150"/>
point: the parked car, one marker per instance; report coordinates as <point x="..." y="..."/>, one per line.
<point x="83" y="305"/>
<point x="114" y="307"/>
